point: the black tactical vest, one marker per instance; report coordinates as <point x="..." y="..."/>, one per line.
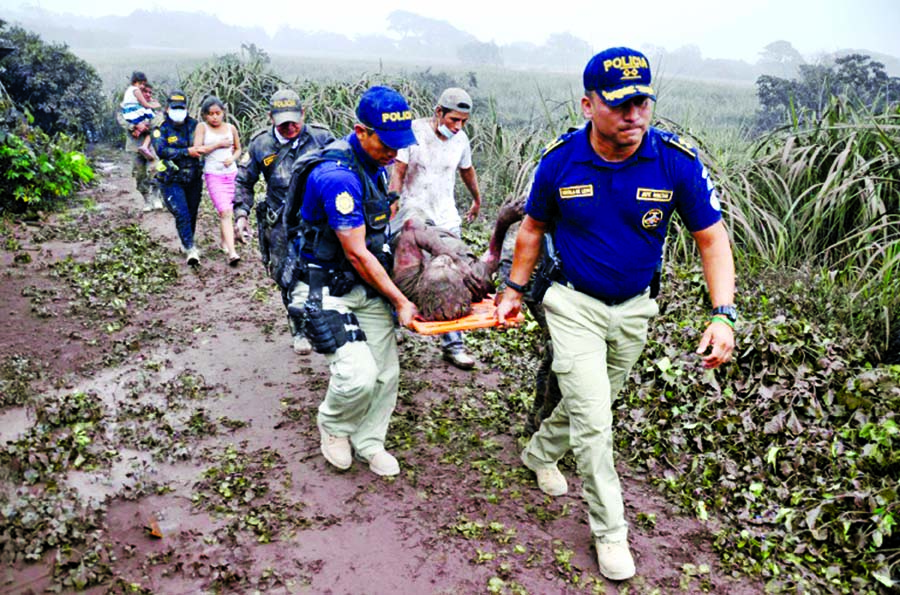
<point x="320" y="244"/>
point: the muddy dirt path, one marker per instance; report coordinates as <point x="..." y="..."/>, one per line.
<point x="205" y="434"/>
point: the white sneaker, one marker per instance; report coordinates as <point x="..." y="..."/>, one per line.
<point x="384" y="464"/>
<point x="549" y="479"/>
<point x="193" y="256"/>
<point x="336" y="450"/>
<point x="302" y="345"/>
<point x="459" y="358"/>
<point x="615" y="560"/>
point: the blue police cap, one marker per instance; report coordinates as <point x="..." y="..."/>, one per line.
<point x="177" y="98"/>
<point x="386" y="112"/>
<point x="618" y="74"/>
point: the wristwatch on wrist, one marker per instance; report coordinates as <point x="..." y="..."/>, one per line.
<point x="729" y="312"/>
<point x="515" y="286"/>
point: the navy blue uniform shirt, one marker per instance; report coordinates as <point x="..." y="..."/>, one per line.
<point x="610" y="218"/>
<point x="171" y="142"/>
<point x="334" y="192"/>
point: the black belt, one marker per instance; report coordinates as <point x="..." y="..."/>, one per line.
<point x="609" y="302"/>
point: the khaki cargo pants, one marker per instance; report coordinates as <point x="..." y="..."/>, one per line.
<point x="594" y="348"/>
<point x="362" y="391"/>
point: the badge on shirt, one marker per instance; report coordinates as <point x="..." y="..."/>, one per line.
<point x="583" y="191"/>
<point x="343" y="202"/>
<point x="652" y="219"/>
<point x="269" y="159"/>
<point x="245" y="159"/>
<point x="654" y="195"/>
<point x="172" y="140"/>
<point x="156" y="133"/>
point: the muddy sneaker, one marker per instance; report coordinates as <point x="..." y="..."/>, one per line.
<point x="549" y="479"/>
<point x="193" y="256"/>
<point x="384" y="464"/>
<point x="336" y="450"/>
<point x="458" y="357"/>
<point x="615" y="560"/>
<point x="302" y="345"/>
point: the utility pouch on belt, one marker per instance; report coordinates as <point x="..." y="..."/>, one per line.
<point x="327" y="330"/>
<point x="548" y="271"/>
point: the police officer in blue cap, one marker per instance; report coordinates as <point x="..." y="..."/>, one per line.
<point x="337" y="214"/>
<point x="607" y="192"/>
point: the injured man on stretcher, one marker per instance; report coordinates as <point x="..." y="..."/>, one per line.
<point x="439" y="273"/>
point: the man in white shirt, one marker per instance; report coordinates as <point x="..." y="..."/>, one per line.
<point x="424" y="176"/>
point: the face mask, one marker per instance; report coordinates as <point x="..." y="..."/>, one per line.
<point x="177" y="115"/>
<point x="446" y="132"/>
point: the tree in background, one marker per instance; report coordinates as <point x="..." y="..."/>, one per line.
<point x="37" y="171"/>
<point x="854" y="77"/>
<point x="477" y="53"/>
<point x="780" y="59"/>
<point x="60" y="91"/>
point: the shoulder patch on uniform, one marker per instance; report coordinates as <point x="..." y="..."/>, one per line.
<point x="680" y="144"/>
<point x="245" y="158"/>
<point x="156" y="133"/>
<point x="268" y="159"/>
<point x="343" y="202"/>
<point x="560" y="141"/>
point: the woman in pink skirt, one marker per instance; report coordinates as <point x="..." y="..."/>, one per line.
<point x="219" y="167"/>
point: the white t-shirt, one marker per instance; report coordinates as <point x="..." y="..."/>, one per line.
<point x="431" y="175"/>
<point x="214" y="162"/>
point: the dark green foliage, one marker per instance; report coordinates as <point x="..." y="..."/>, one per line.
<point x="37" y="172"/>
<point x="796" y="444"/>
<point x="807" y="98"/>
<point x="62" y="92"/>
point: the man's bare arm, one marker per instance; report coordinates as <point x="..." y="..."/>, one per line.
<point x="353" y="242"/>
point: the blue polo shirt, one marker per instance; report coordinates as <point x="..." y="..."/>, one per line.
<point x="610" y="219"/>
<point x="334" y="192"/>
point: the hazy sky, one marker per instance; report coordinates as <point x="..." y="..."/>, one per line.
<point x="736" y="29"/>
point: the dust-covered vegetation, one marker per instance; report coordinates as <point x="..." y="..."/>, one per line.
<point x="49" y="101"/>
<point x="794" y="448"/>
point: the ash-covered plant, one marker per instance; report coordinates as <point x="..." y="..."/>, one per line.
<point x="795" y="444"/>
<point x="122" y="275"/>
<point x="39" y="519"/>
<point x="17" y="373"/>
<point x="68" y="434"/>
<point x="243" y="81"/>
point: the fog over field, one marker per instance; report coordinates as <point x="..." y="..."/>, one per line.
<point x="698" y="38"/>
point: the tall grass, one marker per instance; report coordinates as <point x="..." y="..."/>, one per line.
<point x="826" y="195"/>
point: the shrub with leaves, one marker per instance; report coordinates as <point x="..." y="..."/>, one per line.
<point x="796" y="444"/>
<point x="37" y="172"/>
<point x="62" y="92"/>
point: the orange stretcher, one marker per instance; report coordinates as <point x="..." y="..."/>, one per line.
<point x="484" y="315"/>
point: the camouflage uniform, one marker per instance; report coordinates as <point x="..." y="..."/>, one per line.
<point x="142" y="178"/>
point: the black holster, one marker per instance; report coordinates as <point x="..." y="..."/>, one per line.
<point x="327" y="330"/>
<point x="549" y="270"/>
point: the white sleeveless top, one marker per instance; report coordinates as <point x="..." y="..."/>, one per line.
<point x="214" y="162"/>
